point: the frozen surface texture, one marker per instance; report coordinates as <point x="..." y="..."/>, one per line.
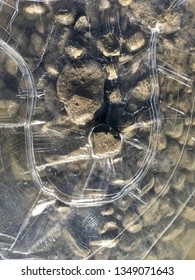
<point x="97" y="143"/>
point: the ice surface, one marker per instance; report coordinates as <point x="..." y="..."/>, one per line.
<point x="97" y="129"/>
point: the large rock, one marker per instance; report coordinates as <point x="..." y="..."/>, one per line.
<point x="80" y="87"/>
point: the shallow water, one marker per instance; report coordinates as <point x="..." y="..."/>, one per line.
<point x="97" y="129"/>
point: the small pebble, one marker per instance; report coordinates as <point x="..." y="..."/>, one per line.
<point x="135" y="42"/>
<point x="75" y="52"/>
<point x="127" y="244"/>
<point x="109" y="45"/>
<point x="8" y="109"/>
<point x="148" y="186"/>
<point x="37" y="44"/>
<point x="124" y="203"/>
<point x="108" y="226"/>
<point x="174" y="129"/>
<point x="35" y="9"/>
<point x="105" y="143"/>
<point x="115" y="96"/>
<point x="178" y="181"/>
<point x="168" y="23"/>
<point x="173" y="233"/>
<point x="52" y="70"/>
<point x="104" y="5"/>
<point x="82" y="23"/>
<point x="189" y="214"/>
<point x="142" y="91"/>
<point x="65" y="18"/>
<point x="107" y="211"/>
<point x="111" y="72"/>
<point x="192" y="62"/>
<point x="188" y="159"/>
<point x="166" y="209"/>
<point x="11" y="66"/>
<point x="152" y="215"/>
<point x="158" y="141"/>
<point x="185" y="103"/>
<point x="125" y="3"/>
<point x="108" y="243"/>
<point x="133" y="227"/>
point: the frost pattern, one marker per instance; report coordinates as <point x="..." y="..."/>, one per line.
<point x="97" y="128"/>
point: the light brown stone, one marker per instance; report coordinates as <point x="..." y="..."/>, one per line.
<point x="65" y="18"/>
<point x="135" y="42"/>
<point x="109" y="45"/>
<point x="189" y="214"/>
<point x="125" y="3"/>
<point x="105" y="143"/>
